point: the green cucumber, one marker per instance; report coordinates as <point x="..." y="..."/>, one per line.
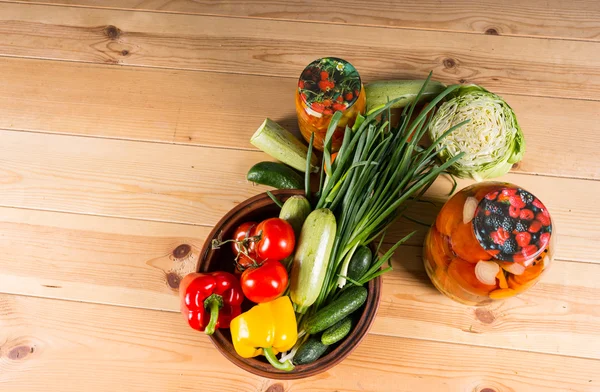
<point x="350" y="299"/>
<point x="360" y="263"/>
<point x="294" y="211"/>
<point x="276" y="175"/>
<point x="312" y="258"/>
<point x="310" y="351"/>
<point x="279" y="143"/>
<point x="337" y="331"/>
<point x="379" y="93"/>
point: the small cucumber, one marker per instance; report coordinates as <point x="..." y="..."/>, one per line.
<point x="379" y="93"/>
<point x="351" y="299"/>
<point x="360" y="263"/>
<point x="279" y="143"/>
<point x="295" y="210"/>
<point x="311" y="259"/>
<point x="337" y="331"/>
<point x="276" y="175"/>
<point x="310" y="351"/>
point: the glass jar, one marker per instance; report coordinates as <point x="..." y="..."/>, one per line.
<point x="490" y="241"/>
<point x="325" y="86"/>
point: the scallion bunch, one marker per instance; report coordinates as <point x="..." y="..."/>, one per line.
<point x="378" y="169"/>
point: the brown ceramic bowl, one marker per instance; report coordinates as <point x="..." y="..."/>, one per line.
<point x="258" y="208"/>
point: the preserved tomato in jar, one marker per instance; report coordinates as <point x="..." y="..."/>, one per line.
<point x="490" y="241"/>
<point x="326" y="86"/>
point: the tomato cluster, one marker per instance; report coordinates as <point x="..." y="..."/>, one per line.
<point x="259" y="249"/>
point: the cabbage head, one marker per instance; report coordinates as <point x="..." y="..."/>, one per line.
<point x="492" y="139"/>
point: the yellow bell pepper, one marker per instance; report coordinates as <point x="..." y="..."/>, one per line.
<point x="266" y="329"/>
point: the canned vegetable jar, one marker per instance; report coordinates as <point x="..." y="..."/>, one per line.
<point x="490" y="241"/>
<point x="326" y="86"/>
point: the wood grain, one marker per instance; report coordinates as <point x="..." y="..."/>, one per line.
<point x="573" y="19"/>
<point x="525" y="66"/>
<point x="198" y="185"/>
<point x="139" y="264"/>
<point x="207" y="109"/>
<point x="560" y="315"/>
<point x="96" y="259"/>
<point x="141" y="350"/>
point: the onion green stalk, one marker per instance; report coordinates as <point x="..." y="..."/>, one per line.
<point x="492" y="142"/>
<point x="378" y="169"/>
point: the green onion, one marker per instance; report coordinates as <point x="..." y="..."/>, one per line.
<point x="378" y="169"/>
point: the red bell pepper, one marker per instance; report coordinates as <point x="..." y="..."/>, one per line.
<point x="211" y="300"/>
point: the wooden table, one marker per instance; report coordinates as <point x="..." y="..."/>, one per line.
<point x="124" y="128"/>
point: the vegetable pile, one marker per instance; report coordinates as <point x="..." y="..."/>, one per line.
<point x="307" y="268"/>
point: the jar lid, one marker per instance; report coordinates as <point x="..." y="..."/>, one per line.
<point x="511" y="224"/>
<point x="329" y="84"/>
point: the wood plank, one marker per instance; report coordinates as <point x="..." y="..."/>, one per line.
<point x="574" y="20"/>
<point x="198" y="185"/>
<point x="207" y="109"/>
<point x="526" y="66"/>
<point x="96" y="259"/>
<point x="560" y="315"/>
<point x="143" y="350"/>
<point x="130" y="263"/>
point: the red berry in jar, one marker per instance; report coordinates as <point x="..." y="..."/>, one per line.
<point x="535" y="226"/>
<point x="544" y="219"/>
<point x="523" y="239"/>
<point x="526" y="214"/>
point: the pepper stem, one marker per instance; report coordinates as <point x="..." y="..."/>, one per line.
<point x="285" y="366"/>
<point x="214" y="302"/>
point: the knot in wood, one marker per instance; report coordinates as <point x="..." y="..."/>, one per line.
<point x="485" y="316"/>
<point x="275" y="388"/>
<point x="181" y="251"/>
<point x="449" y="63"/>
<point x="173" y="280"/>
<point x="20" y="352"/>
<point x="112" y="32"/>
<point x="492" y="31"/>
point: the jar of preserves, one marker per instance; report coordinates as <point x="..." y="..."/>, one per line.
<point x="326" y="86"/>
<point x="490" y="241"/>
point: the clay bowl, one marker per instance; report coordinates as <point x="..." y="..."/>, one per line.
<point x="258" y="208"/>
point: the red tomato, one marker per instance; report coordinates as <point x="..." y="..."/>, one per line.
<point x="265" y="282"/>
<point x="242" y="232"/>
<point x="243" y="263"/>
<point x="277" y="239"/>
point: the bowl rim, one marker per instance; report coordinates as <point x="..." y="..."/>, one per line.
<point x="334" y="357"/>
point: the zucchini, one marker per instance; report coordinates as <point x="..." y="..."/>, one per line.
<point x="379" y="93"/>
<point x="275" y="174"/>
<point x="350" y="299"/>
<point x="294" y="211"/>
<point x="337" y="331"/>
<point x="310" y="351"/>
<point x="360" y="263"/>
<point x="276" y="141"/>
<point x="312" y="258"/>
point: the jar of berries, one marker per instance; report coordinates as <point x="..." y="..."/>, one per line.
<point x="490" y="241"/>
<point x="326" y="86"/>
